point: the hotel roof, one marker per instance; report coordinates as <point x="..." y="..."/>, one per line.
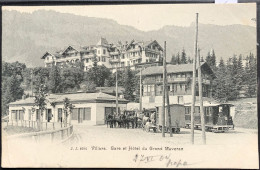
<point x="174" y="69"/>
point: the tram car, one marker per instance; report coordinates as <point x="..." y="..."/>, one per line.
<point x="177" y="119"/>
<point x="217" y="117"/>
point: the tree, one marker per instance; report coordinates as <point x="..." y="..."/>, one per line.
<point x="219" y="84"/>
<point x="11" y="91"/>
<point x="67" y="110"/>
<point x="98" y="74"/>
<point x="41" y="102"/>
<point x="55" y="80"/>
<point x="129" y="84"/>
<point x="178" y="60"/>
<point x="239" y="75"/>
<point x="71" y="79"/>
<point x="252" y="76"/>
<point x="233" y="83"/>
<point x="173" y="60"/>
<point x="183" y="57"/>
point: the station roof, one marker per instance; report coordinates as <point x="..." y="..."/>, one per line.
<point x="73" y="97"/>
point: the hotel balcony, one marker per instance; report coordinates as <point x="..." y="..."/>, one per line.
<point x="114" y="60"/>
<point x="174" y="80"/>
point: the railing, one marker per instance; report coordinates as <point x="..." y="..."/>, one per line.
<point x="55" y="131"/>
<point x="58" y="135"/>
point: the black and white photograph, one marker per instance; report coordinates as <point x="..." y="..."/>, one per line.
<point x="129" y="86"/>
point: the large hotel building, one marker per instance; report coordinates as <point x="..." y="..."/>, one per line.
<point x="135" y="54"/>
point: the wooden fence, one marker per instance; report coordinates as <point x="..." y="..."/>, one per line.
<point x="33" y="124"/>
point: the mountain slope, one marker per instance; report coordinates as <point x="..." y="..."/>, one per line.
<point x="25" y="37"/>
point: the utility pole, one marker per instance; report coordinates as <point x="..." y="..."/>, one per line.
<point x="140" y="98"/>
<point x="167" y="93"/>
<point x="194" y="80"/>
<point x="32" y="81"/>
<point x="164" y="83"/>
<point x="201" y="101"/>
<point x="116" y="93"/>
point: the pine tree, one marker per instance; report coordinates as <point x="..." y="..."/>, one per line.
<point x="233" y="73"/>
<point x="208" y="59"/>
<point x="239" y="75"/>
<point x="183" y="57"/>
<point x="213" y="59"/>
<point x="219" y="84"/>
<point x="252" y="77"/>
<point x="178" y="60"/>
<point x="173" y="60"/>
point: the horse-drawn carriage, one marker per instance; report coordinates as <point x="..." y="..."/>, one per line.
<point x="126" y="119"/>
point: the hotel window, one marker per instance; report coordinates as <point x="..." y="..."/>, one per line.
<point x="98" y="51"/>
<point x="145" y="90"/>
<point x="187" y="110"/>
<point x="152" y="90"/>
<point x="104" y="51"/>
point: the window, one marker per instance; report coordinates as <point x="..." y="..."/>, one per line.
<point x="187" y="110"/>
<point x="59" y="115"/>
<point x="98" y="51"/>
<point x="181" y="87"/>
<point x="104" y="51"/>
<point x="180" y="99"/>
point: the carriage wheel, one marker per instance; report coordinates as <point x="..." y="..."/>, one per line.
<point x="154" y="129"/>
<point x="178" y="130"/>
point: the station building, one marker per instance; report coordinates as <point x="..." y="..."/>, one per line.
<point x="88" y="108"/>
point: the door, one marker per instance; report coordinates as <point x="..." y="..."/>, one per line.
<point x="87" y="113"/>
<point x="49" y="115"/>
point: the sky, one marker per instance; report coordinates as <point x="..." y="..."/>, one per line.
<point x="154" y="16"/>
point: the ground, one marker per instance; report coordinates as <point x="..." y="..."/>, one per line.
<point x="97" y="134"/>
<point x="99" y="146"/>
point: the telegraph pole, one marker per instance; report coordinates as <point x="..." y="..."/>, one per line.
<point x="140" y="98"/>
<point x="167" y="94"/>
<point x="201" y="101"/>
<point x="164" y="83"/>
<point x="194" y="80"/>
